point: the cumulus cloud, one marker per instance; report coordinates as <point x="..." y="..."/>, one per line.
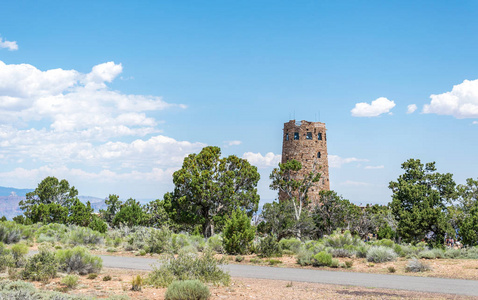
<point x="375" y="108"/>
<point x="336" y="161"/>
<point x="411" y="108"/>
<point x="475" y="123"/>
<point x="12" y="46"/>
<point x="260" y="161"/>
<point x="69" y="123"/>
<point x="70" y="101"/>
<point x="374" y="167"/>
<point x="233" y="143"/>
<point x="461" y="102"/>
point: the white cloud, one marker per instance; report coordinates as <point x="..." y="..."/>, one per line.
<point x="266" y="161"/>
<point x="233" y="143"/>
<point x="461" y="102"/>
<point x="71" y="124"/>
<point x="336" y="161"/>
<point x="374" y="167"/>
<point x="475" y="123"/>
<point x="12" y="46"/>
<point x="411" y="108"/>
<point x="377" y="107"/>
<point x="70" y="101"/>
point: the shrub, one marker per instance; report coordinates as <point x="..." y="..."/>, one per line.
<point x="41" y="266"/>
<point x="159" y="240"/>
<point x="78" y="260"/>
<point x="472" y="253"/>
<point x="107" y="278"/>
<point x="293" y="245"/>
<point x="215" y="243"/>
<point x="188" y="266"/>
<point x="256" y="260"/>
<point x="415" y="265"/>
<point x="454" y="253"/>
<point x="322" y="259"/>
<point x="92" y="276"/>
<point x="239" y="258"/>
<point x="269" y="246"/>
<point x="6" y="258"/>
<point x="342" y="252"/>
<point x="349" y="264"/>
<point x="187" y="290"/>
<point x="380" y="254"/>
<point x="10" y="232"/>
<point x="71" y="281"/>
<point x="314" y="246"/>
<point x="179" y="241"/>
<point x="274" y="262"/>
<point x="385" y="242"/>
<point x="341" y="240"/>
<point x="238" y="233"/>
<point x="361" y="251"/>
<point x="408" y="251"/>
<point x="84" y="236"/>
<point x="51" y="233"/>
<point x="427" y="254"/>
<point x="18" y="252"/>
<point x="198" y="242"/>
<point x="439" y="253"/>
<point x="137" y="283"/>
<point x="304" y="257"/>
<point x="391" y="269"/>
<point x="334" y="263"/>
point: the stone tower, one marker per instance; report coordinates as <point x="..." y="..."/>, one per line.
<point x="307" y="142"/>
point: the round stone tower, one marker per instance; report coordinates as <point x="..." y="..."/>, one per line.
<point x="307" y="142"/>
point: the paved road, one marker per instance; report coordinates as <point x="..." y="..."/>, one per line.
<point x="411" y="283"/>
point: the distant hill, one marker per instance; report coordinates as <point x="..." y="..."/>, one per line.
<point x="8" y="191"/>
<point x="10" y="197"/>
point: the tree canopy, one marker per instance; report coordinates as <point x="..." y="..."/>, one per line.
<point x="209" y="188"/>
<point x="419" y="202"/>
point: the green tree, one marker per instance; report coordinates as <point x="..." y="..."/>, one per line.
<point x="238" y="233"/>
<point x="156" y="214"/>
<point x="131" y="214"/>
<point x="333" y="212"/>
<point x="209" y="188"/>
<point x="419" y="202"/>
<point x="50" y="201"/>
<point x="464" y="214"/>
<point x="285" y="179"/>
<point x="80" y="214"/>
<point x="113" y="205"/>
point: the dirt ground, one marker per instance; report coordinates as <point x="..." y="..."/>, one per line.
<point x="240" y="288"/>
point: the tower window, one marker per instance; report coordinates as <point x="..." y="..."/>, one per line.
<point x="318" y="155"/>
<point x="309" y="135"/>
<point x="286" y="136"/>
<point x="296" y="135"/>
<point x="319" y="136"/>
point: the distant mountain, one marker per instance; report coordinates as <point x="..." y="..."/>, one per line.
<point x="10" y="197"/>
<point x="9" y="191"/>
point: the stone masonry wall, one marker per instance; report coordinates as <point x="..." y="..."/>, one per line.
<point x="307" y="142"/>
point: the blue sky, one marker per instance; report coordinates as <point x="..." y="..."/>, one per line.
<point x="111" y="95"/>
